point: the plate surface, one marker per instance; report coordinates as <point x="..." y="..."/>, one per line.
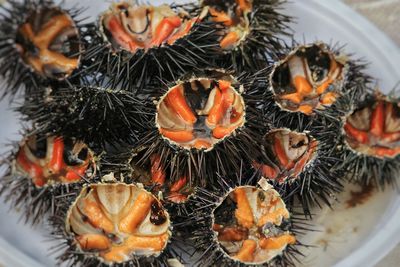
<point x="360" y="236"/>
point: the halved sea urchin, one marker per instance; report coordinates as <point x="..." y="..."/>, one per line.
<point x="115" y="224"/>
<point x="39" y="43"/>
<point x="42" y="169"/>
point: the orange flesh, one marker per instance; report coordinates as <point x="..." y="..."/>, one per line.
<point x="183" y="32"/>
<point x="132" y="243"/>
<point x="120" y="35"/>
<point x="33" y="170"/>
<point x="167" y="31"/>
<point x="285" y="168"/>
<point x="55" y="170"/>
<point x="235" y="21"/>
<point x="220" y="17"/>
<point x="137" y="213"/>
<point x="93" y="242"/>
<point x="177" y="197"/>
<point x="96" y="216"/>
<point x="376" y="133"/>
<point x="230" y="234"/>
<point x="205" y="121"/>
<point x="215" y="114"/>
<point x="272" y="217"/>
<point x="229" y="40"/>
<point x="178" y="185"/>
<point x="179" y="104"/>
<point x="306" y="90"/>
<point x="42" y="41"/>
<point x="202" y="144"/>
<point x="329" y="98"/>
<point x="220" y="131"/>
<point x="378" y="120"/>
<point x="280" y="153"/>
<point x="277" y="242"/>
<point x="57" y="160"/>
<point x="178" y="136"/>
<point x="243" y="243"/>
<point x="306" y="109"/>
<point x="157" y="174"/>
<point x="305" y="158"/>
<point x="243" y="213"/>
<point x="267" y="171"/>
<point x="246" y="252"/>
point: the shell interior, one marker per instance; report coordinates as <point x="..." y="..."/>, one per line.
<point x="374" y="130"/>
<point x="54" y="160"/>
<point x="49" y="43"/>
<point x="200" y="113"/>
<point x="235" y="16"/>
<point x="309" y="78"/>
<point x="251" y="225"/>
<point x="152" y="173"/>
<point x="134" y="27"/>
<point x="288" y="153"/>
<point x="117" y="222"/>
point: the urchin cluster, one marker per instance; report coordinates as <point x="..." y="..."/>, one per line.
<point x="162" y="127"/>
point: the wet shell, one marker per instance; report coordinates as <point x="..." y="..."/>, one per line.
<point x="310" y="78"/>
<point x="117" y="222"/>
<point x="374" y="129"/>
<point x="200" y="112"/>
<point x="54" y="160"/>
<point x="158" y="177"/>
<point x="249" y="225"/>
<point x="142" y="27"/>
<point x="48" y="43"/>
<point x="287" y="153"/>
<point x="234" y="16"/>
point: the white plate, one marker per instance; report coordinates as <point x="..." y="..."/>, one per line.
<point x="376" y="222"/>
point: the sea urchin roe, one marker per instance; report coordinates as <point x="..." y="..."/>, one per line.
<point x="234" y="15"/>
<point x="374" y="130"/>
<point x="134" y="27"/>
<point x="309" y="78"/>
<point x="116" y="222"/>
<point x="54" y="160"/>
<point x="49" y="43"/>
<point x="152" y="173"/>
<point x="288" y="153"/>
<point x="249" y="225"/>
<point x="199" y="113"/>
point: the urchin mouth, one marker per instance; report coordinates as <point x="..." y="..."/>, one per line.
<point x="234" y="15"/>
<point x="250" y="225"/>
<point x="310" y="78"/>
<point x="374" y="130"/>
<point x="48" y="42"/>
<point x="117" y="222"/>
<point x="142" y="27"/>
<point x="199" y="113"/>
<point x="287" y="154"/>
<point x="54" y="160"/>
